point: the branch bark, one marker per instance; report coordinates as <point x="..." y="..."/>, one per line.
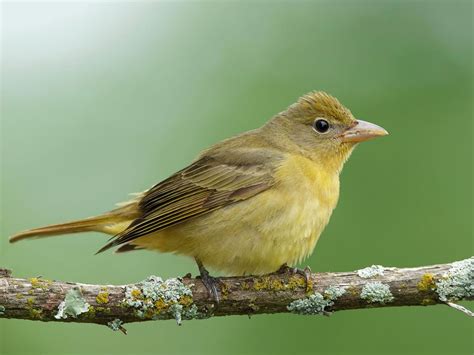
<point x="187" y="298"/>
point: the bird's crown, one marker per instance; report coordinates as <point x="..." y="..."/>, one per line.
<point x="320" y="104"/>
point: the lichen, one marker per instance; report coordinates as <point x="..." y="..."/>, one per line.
<point x="224" y="291"/>
<point x="458" y="282"/>
<point x="334" y="292"/>
<point x="115" y="325"/>
<point x="34" y="282"/>
<point x="37" y="282"/>
<point x="295" y="282"/>
<point x="316" y="303"/>
<point x="73" y="304"/>
<point x="2" y="310"/>
<point x="371" y="271"/>
<point x="102" y="297"/>
<point x="36" y="313"/>
<point x="272" y="283"/>
<point x="376" y="292"/>
<point x="427" y="283"/>
<point x="154" y="298"/>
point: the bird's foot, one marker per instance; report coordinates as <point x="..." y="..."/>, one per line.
<point x="211" y="283"/>
<point x="306" y="273"/>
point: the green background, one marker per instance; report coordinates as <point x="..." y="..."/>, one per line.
<point x="99" y="100"/>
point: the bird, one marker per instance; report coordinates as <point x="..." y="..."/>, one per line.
<point x="248" y="205"/>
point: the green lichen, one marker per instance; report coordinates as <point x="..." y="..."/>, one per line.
<point x="458" y="282"/>
<point x="317" y="303"/>
<point x="154" y="298"/>
<point x="371" y="271"/>
<point x="115" y="325"/>
<point x="334" y="292"/>
<point x="376" y="292"/>
<point x="73" y="304"/>
<point x="2" y="310"/>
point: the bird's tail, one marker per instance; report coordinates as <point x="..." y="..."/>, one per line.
<point x="112" y="222"/>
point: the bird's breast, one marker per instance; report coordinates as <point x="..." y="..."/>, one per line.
<point x="258" y="235"/>
<point x="308" y="195"/>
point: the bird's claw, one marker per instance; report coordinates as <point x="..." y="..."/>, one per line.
<point x="306" y="273"/>
<point x="211" y="283"/>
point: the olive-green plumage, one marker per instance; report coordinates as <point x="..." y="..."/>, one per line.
<point x="249" y="203"/>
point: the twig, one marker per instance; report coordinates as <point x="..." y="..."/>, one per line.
<point x="187" y="298"/>
<point x="460" y="308"/>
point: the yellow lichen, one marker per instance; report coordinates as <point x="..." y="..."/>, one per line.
<point x="102" y="297"/>
<point x="19" y="296"/>
<point x="91" y="311"/>
<point x="427" y="283"/>
<point x="295" y="282"/>
<point x="161" y="305"/>
<point x="36" y="313"/>
<point x="224" y="291"/>
<point x="39" y="283"/>
<point x="261" y="283"/>
<point x="271" y="283"/>
<point x="136" y="293"/>
<point x="186" y="301"/>
<point x="245" y="286"/>
<point x="30" y="301"/>
<point x="34" y="282"/>
<point x="277" y="284"/>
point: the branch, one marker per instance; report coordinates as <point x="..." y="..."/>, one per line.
<point x="187" y="298"/>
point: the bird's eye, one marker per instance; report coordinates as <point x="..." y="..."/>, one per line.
<point x="321" y="126"/>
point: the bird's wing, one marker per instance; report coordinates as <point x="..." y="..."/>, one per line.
<point x="204" y="186"/>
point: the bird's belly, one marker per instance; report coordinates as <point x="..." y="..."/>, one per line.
<point x="255" y="236"/>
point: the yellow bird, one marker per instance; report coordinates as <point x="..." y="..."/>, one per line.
<point x="248" y="204"/>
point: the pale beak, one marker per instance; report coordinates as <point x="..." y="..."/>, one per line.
<point x="363" y="131"/>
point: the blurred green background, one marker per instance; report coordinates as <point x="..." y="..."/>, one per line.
<point x="99" y="100"/>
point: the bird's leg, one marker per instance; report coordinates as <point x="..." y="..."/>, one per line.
<point x="306" y="273"/>
<point x="208" y="281"/>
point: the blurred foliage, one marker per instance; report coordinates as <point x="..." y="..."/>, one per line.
<point x="99" y="100"/>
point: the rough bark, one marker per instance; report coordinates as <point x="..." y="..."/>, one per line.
<point x="41" y="299"/>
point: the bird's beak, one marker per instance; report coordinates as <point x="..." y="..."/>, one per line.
<point x="362" y="131"/>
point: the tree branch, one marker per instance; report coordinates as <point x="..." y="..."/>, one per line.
<point x="187" y="298"/>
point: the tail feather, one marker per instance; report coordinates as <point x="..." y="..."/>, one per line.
<point x="112" y="223"/>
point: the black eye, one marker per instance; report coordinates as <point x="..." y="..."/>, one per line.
<point x="321" y="126"/>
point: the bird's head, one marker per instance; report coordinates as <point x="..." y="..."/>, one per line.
<point x="320" y="127"/>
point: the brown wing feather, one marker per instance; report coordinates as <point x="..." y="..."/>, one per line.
<point x="202" y="187"/>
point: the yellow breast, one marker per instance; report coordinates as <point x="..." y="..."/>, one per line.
<point x="258" y="235"/>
